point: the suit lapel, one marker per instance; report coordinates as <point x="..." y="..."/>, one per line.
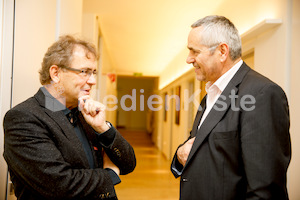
<point x="61" y="120"/>
<point x="68" y="130"/>
<point x="198" y="117"/>
<point x="215" y="115"/>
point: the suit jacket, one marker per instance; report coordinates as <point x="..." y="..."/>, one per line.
<point x="46" y="159"/>
<point x="242" y="150"/>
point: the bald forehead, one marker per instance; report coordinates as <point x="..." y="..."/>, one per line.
<point x="196" y="32"/>
<point x="194" y="38"/>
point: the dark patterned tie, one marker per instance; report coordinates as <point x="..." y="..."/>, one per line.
<point x="73" y="116"/>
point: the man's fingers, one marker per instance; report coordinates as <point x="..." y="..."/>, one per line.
<point x="89" y="106"/>
<point x="81" y="101"/>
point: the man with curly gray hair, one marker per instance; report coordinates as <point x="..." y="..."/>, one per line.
<point x="57" y="144"/>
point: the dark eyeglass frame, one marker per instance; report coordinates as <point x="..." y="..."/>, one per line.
<point x="84" y="72"/>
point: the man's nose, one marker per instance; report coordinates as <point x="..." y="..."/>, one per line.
<point x="190" y="59"/>
<point x="92" y="80"/>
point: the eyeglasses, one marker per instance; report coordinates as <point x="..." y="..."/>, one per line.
<point x="86" y="73"/>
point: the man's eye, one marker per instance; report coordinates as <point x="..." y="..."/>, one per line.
<point x="193" y="52"/>
<point x="83" y="71"/>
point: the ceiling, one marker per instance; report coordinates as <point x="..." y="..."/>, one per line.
<point x="144" y="36"/>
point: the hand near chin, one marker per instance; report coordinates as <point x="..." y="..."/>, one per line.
<point x="93" y="113"/>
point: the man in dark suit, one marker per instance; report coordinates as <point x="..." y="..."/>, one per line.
<point x="239" y="147"/>
<point x="57" y="143"/>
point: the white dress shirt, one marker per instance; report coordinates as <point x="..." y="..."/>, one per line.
<point x="215" y="90"/>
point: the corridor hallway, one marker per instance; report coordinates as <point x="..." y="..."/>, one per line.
<point x="152" y="178"/>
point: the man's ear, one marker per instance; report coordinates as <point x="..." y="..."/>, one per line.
<point x="54" y="73"/>
<point x="224" y="52"/>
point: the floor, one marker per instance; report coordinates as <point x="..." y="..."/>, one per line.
<point x="152" y="178"/>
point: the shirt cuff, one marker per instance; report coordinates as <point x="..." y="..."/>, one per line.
<point x="107" y="137"/>
<point x="114" y="177"/>
<point x="177" y="168"/>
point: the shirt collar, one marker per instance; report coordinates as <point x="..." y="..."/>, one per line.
<point x="66" y="111"/>
<point x="54" y="105"/>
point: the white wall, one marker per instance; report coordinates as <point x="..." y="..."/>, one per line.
<point x="34" y="33"/>
<point x="164" y="135"/>
<point x="69" y="17"/>
<point x="109" y="88"/>
<point x="90" y="28"/>
<point x="169" y="134"/>
<point x="1" y="29"/>
<point x="294" y="172"/>
<point x="105" y="86"/>
<point x="175" y="68"/>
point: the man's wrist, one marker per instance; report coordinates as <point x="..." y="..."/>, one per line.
<point x="114" y="176"/>
<point x="103" y="128"/>
<point x="106" y="138"/>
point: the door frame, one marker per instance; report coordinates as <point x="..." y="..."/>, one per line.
<point x="6" y="57"/>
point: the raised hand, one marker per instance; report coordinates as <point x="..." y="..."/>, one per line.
<point x="94" y="113"/>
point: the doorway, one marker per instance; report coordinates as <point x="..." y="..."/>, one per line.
<point x="133" y="112"/>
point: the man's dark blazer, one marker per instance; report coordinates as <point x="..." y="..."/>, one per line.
<point x="240" y="154"/>
<point x="46" y="159"/>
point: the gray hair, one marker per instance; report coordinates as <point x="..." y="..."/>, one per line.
<point x="217" y="29"/>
